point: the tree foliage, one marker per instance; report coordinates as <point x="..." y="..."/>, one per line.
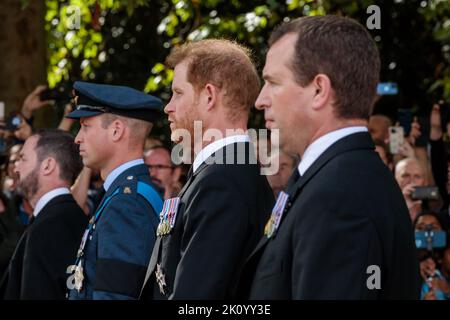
<point x="126" y="42"/>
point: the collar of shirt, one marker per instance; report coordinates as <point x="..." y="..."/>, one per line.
<point x="47" y="197"/>
<point x="315" y="149"/>
<point x="117" y="171"/>
<point x="207" y="151"/>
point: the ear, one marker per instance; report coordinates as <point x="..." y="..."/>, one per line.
<point x="117" y="129"/>
<point x="322" y="91"/>
<point x="48" y="166"/>
<point x="211" y="95"/>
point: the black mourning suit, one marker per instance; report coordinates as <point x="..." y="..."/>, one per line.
<point x="221" y="217"/>
<point x="344" y="214"/>
<point x="48" y="246"/>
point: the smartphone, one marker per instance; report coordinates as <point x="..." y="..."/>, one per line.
<point x="387" y="89"/>
<point x="445" y="114"/>
<point x="425" y="193"/>
<point x="396" y="139"/>
<point x="2" y="111"/>
<point x="405" y="118"/>
<point x="48" y="94"/>
<point x="58" y="94"/>
<point x="430" y="239"/>
<point x="422" y="140"/>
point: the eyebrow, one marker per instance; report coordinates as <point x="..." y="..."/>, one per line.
<point x="268" y="77"/>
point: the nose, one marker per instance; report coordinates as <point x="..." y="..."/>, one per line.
<point x="263" y="100"/>
<point x="16" y="166"/>
<point x="78" y="137"/>
<point x="169" y="107"/>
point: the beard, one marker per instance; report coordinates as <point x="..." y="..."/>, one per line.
<point x="30" y="184"/>
<point x="184" y="126"/>
<point x="183" y="135"/>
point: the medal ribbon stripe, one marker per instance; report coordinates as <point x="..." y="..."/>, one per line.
<point x="161" y="214"/>
<point x="277" y="213"/>
<point x="174" y="212"/>
<point x="168" y="216"/>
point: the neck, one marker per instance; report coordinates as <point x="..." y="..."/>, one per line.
<point x="329" y="126"/>
<point x="120" y="159"/>
<point x="227" y="130"/>
<point x="43" y="190"/>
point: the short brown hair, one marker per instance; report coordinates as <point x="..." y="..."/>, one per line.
<point x="60" y="145"/>
<point x="139" y="129"/>
<point x="342" y="49"/>
<point x="223" y="63"/>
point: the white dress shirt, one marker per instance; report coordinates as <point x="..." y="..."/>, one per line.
<point x="315" y="149"/>
<point x="47" y="197"/>
<point x="215" y="146"/>
<point x="117" y="171"/>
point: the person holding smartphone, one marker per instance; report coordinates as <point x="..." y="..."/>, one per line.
<point x="409" y="174"/>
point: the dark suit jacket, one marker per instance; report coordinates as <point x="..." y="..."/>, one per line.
<point x="38" y="267"/>
<point x="345" y="214"/>
<point x="11" y="229"/>
<point x="221" y="217"/>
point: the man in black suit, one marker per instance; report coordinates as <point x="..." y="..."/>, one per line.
<point x="47" y="166"/>
<point x="341" y="229"/>
<point x="206" y="233"/>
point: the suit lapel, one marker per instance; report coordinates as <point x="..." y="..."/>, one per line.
<point x="157" y="247"/>
<point x="361" y="140"/>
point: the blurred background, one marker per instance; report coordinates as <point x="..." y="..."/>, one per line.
<point x="57" y="42"/>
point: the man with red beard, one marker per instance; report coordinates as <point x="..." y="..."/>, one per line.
<point x="47" y="166"/>
<point x="206" y="232"/>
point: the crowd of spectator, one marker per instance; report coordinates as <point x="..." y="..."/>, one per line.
<point x="413" y="166"/>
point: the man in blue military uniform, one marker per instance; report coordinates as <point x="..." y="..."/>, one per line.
<point x="116" y="247"/>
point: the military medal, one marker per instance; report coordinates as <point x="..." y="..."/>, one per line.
<point x="277" y="213"/>
<point x="160" y="279"/>
<point x="79" y="277"/>
<point x="168" y="216"/>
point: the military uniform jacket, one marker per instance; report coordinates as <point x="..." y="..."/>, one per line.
<point x="38" y="267"/>
<point x="220" y="218"/>
<point x="117" y="252"/>
<point x="345" y="214"/>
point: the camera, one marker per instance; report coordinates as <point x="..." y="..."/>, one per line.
<point x="425" y="193"/>
<point x="430" y="239"/>
<point x="61" y="95"/>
